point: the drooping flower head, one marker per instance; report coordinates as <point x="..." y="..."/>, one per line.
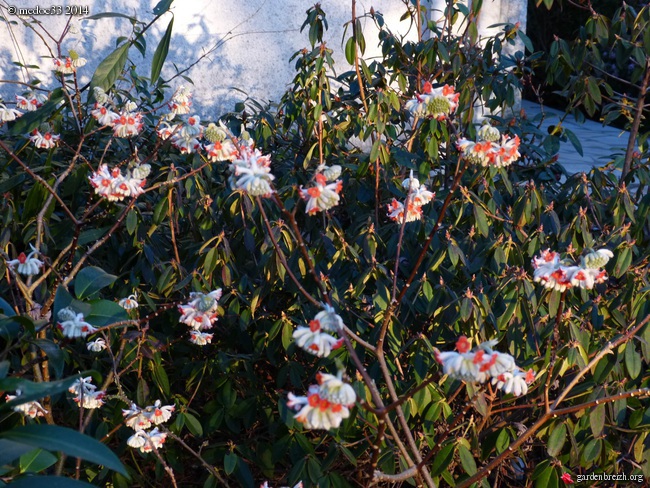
<point x="26" y="264"/>
<point x="323" y="195"/>
<point x="251" y="172"/>
<point x="28" y="409"/>
<point x="86" y="394"/>
<point x="72" y="324"/>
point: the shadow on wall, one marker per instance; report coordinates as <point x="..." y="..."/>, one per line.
<point x="255" y="40"/>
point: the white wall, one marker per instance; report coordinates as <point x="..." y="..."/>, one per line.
<point x="255" y="57"/>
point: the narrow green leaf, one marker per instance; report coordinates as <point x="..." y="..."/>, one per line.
<point x="193" y="424"/>
<point x="31" y="120"/>
<point x="162" y="7"/>
<point x="160" y="55"/>
<point x="467" y="460"/>
<point x="68" y="441"/>
<point x="110" y="69"/>
<point x="442" y="459"/>
<point x="229" y="462"/>
<point x="349" y="50"/>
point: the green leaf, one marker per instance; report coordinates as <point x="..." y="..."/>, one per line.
<point x="105" y="15"/>
<point x="481" y="221"/>
<point x="229" y="462"/>
<point x="161" y="53"/>
<point x="467" y="460"/>
<point x="54" y="355"/>
<point x="10" y="451"/>
<point x="162" y="7"/>
<point x="593" y="89"/>
<point x="160" y="375"/>
<point x="90" y="280"/>
<point x="6" y="308"/>
<point x="49" y="482"/>
<point x="36" y="460"/>
<point x="632" y="361"/>
<point x="110" y="68"/>
<point x="33" y="391"/>
<point x="349" y="50"/>
<point x="442" y="459"/>
<point x="131" y="221"/>
<point x="592" y="450"/>
<point x="68" y="441"/>
<point x="193" y="424"/>
<point x="575" y="141"/>
<point x="597" y="420"/>
<point x="556" y="440"/>
<point x="103" y="312"/>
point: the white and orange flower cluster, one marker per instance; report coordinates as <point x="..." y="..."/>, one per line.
<point x="141" y="419"/>
<point x="114" y="186"/>
<point x="8" y="114"/>
<point x="484" y="364"/>
<point x="72" y="324"/>
<point x="559" y="275"/>
<point x="250" y="171"/>
<point x="436" y="103"/>
<point x="488" y="151"/>
<point x="44" y="141"/>
<point x="28" y="409"/>
<point x="26" y="265"/>
<point x="297" y="485"/>
<point x="325" y="193"/>
<point x="199" y="314"/>
<point x="86" y="394"/>
<point x="30" y="102"/>
<point x="316" y="338"/>
<point x="326" y="404"/>
<point x="418" y="195"/>
<point x="125" y="123"/>
<point x="69" y="64"/>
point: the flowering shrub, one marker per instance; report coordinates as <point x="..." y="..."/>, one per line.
<point x="366" y="227"/>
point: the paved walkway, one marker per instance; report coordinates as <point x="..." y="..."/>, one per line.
<point x="600" y="144"/>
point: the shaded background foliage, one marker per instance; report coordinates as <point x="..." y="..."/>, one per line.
<point x="193" y="233"/>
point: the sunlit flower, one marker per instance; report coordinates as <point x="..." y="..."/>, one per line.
<point x="251" y="172"/>
<point x="128" y="303"/>
<point x="331" y="173"/>
<point x="86" y="395"/>
<point x="322" y="196"/>
<point x="147" y="441"/>
<point x="28" y="409"/>
<point x="199" y="313"/>
<point x="159" y="413"/>
<point x="396" y="211"/>
<point x="97" y="345"/>
<point x="200" y="338"/>
<point x="127" y="124"/>
<point x="8" y="114"/>
<point x="483" y="364"/>
<point x="489" y="133"/>
<point x="103" y="115"/>
<point x="552" y="274"/>
<point x="44" y="141"/>
<point x="26" y="265"/>
<point x="434" y="102"/>
<point x="29" y="104"/>
<point x="114" y="186"/>
<point x="315" y="341"/>
<point x="136" y="419"/>
<point x="489" y="152"/>
<point x="72" y="324"/>
<point x="221" y="151"/>
<point x="326" y="404"/>
<point x="64" y="66"/>
<point x="266" y="485"/>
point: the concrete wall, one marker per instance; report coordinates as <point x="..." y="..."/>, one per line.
<point x="258" y="37"/>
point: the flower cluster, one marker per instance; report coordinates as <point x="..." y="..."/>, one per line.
<point x="68" y="65"/>
<point x="125" y="122"/>
<point x="555" y="274"/>
<point x="44" y="141"/>
<point x="221" y="147"/>
<point x="484" y="364"/>
<point x="251" y="172"/>
<point x="72" y="324"/>
<point x="266" y="485"/>
<point x="418" y="195"/>
<point x="26" y="264"/>
<point x="326" y="404"/>
<point x="86" y="395"/>
<point x="8" y="114"/>
<point x="315" y="338"/>
<point x="184" y="135"/>
<point x="30" y="102"/>
<point x="114" y="186"/>
<point x="323" y="195"/>
<point x="199" y="314"/>
<point x="28" y="409"/>
<point x="488" y="151"/>
<point x="181" y="102"/>
<point x="436" y="103"/>
<point x="140" y="419"/>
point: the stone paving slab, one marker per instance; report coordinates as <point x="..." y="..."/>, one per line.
<point x="600" y="144"/>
